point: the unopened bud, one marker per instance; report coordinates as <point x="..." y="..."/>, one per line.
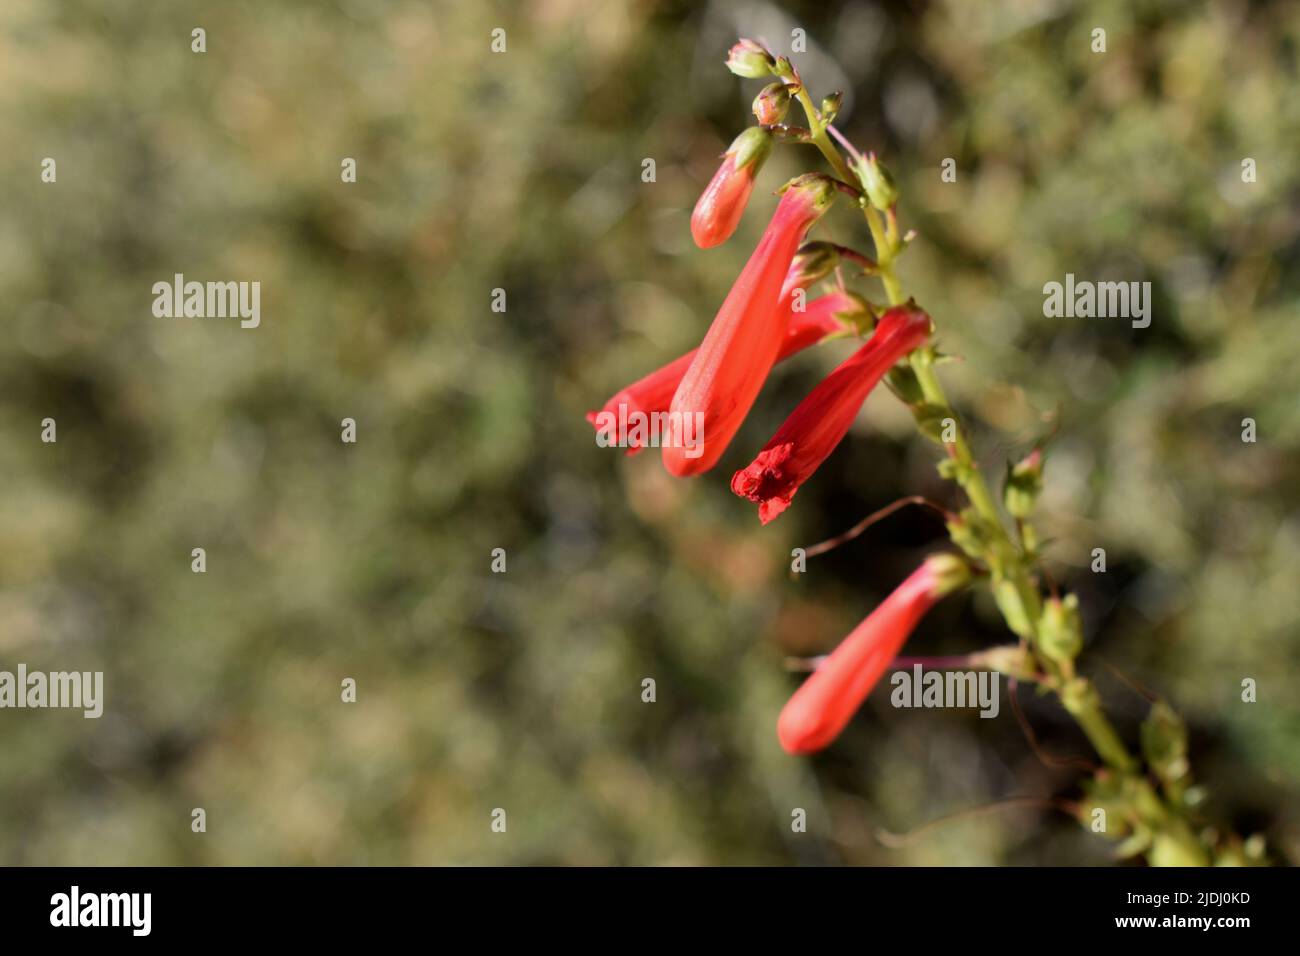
<point x="720" y="206"/>
<point x="948" y="572"/>
<point x="831" y="106"/>
<point x="969" y="532"/>
<point x="750" y="60"/>
<point x="1024" y="484"/>
<point x="1060" y="630"/>
<point x="902" y="379"/>
<point x="815" y="261"/>
<point x="878" y="182"/>
<point x="772" y="103"/>
<point x="1164" y="743"/>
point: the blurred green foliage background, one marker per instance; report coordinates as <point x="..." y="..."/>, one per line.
<point x="522" y="171"/>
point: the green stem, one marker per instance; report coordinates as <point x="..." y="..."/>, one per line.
<point x="1081" y="700"/>
<point x="821" y="139"/>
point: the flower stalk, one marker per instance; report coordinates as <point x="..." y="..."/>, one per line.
<point x="1145" y="798"/>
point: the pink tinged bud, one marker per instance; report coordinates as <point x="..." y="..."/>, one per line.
<point x="654" y="393"/>
<point x="720" y="206"/>
<point x="822" y="419"/>
<point x="828" y="699"/>
<point x="772" y="103"/>
<point x="745" y="338"/>
<point x="750" y="60"/>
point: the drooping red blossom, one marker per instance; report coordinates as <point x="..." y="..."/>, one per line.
<point x="745" y="338"/>
<point x="720" y="206"/>
<point x="654" y="392"/>
<point x="828" y="699"/>
<point x="822" y="419"/>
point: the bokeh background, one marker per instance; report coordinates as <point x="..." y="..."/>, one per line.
<point x="522" y="171"/>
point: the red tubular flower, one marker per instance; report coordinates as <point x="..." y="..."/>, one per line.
<point x="654" y="393"/>
<point x="745" y="338"/>
<point x="822" y="419"/>
<point x="828" y="699"/>
<point x="720" y="206"/>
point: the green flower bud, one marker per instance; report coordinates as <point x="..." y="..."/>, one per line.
<point x="1164" y="743"/>
<point x="1024" y="484"/>
<point x="815" y="261"/>
<point x="878" y="182"/>
<point x="1060" y="630"/>
<point x="902" y="379"/>
<point x="970" y="532"/>
<point x="750" y="60"/>
<point x="948" y="571"/>
<point x="831" y="106"/>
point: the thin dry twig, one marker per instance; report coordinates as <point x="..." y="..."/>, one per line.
<point x="831" y="543"/>
<point x="1047" y="759"/>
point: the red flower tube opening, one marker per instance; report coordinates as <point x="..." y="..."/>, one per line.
<point x="828" y="699"/>
<point x="822" y="419"/>
<point x="720" y="206"/>
<point x="623" y="420"/>
<point x="742" y="344"/>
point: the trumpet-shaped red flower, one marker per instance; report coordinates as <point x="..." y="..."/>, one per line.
<point x="720" y="206"/>
<point x="654" y="392"/>
<point x="822" y="419"/>
<point x="745" y="338"/>
<point x="828" y="699"/>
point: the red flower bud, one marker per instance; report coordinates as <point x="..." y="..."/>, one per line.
<point x="827" y="700"/>
<point x="743" y="342"/>
<point x="822" y="419"/>
<point x="654" y="393"/>
<point x="720" y="206"/>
